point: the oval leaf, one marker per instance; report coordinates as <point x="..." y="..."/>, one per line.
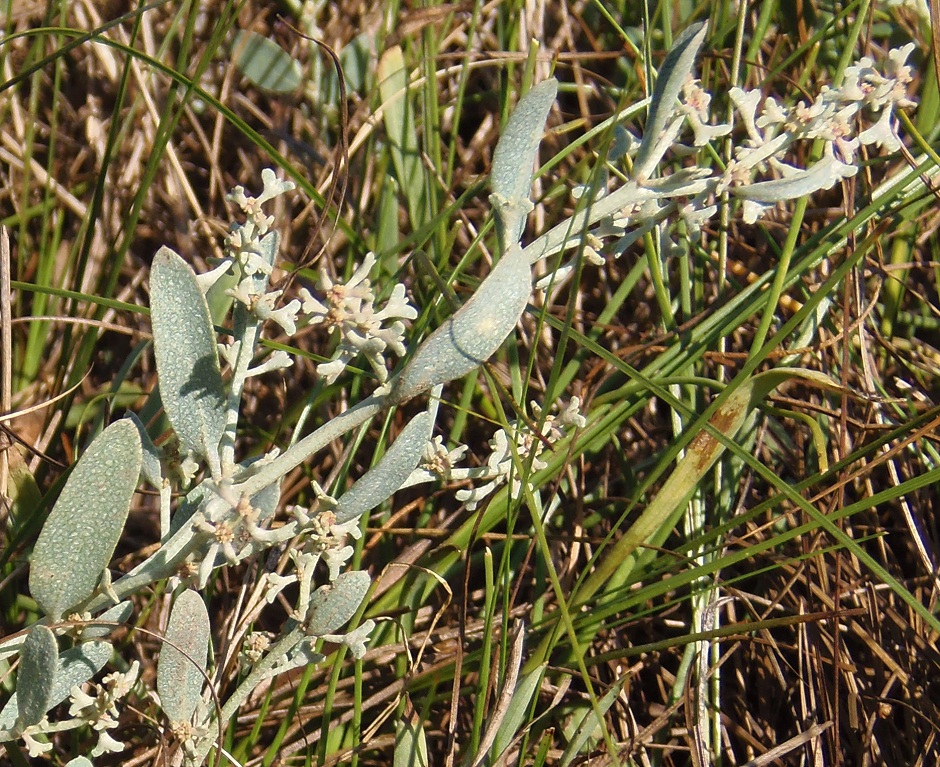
<point x="34" y="683"/>
<point x="183" y="657"/>
<point x="335" y="603"/>
<point x="471" y="336"/>
<point x="514" y="158"/>
<point x="80" y="535"/>
<point x="187" y="358"/>
<point x="76" y="666"/>
<point x="120" y="613"/>
<point x="390" y="473"/>
<point x="266" y="64"/>
<point x="151" y="470"/>
<point x="676" y="68"/>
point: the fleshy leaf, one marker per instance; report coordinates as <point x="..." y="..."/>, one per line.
<point x="335" y="603"/>
<point x="471" y="336"/>
<point x="183" y="657"/>
<point x="79" y="537"/>
<point x="301" y="654"/>
<point x="151" y="470"/>
<point x="76" y="666"/>
<point x="514" y="157"/>
<point x="117" y="614"/>
<point x="675" y="69"/>
<point x="390" y="473"/>
<point x="187" y="359"/>
<point x="34" y="683"/>
<point x="823" y="174"/>
<point x="266" y="64"/>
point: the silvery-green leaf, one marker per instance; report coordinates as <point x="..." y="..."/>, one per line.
<point x="335" y="603"/>
<point x="187" y="358"/>
<point x="470" y="336"/>
<point x="266" y="500"/>
<point x="675" y="69"/>
<point x="383" y="479"/>
<point x="266" y="64"/>
<point x="821" y="175"/>
<point x="151" y="470"/>
<point x="514" y="157"/>
<point x="117" y="614"/>
<point x="189" y="505"/>
<point x="76" y="666"/>
<point x="302" y="654"/>
<point x="79" y="537"/>
<point x="183" y="657"/>
<point x="34" y="683"/>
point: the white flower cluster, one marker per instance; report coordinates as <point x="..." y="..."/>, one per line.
<point x="641" y="205"/>
<point x="349" y="311"/>
<point x="96" y="707"/>
<point x="439" y="463"/>
<point x="99" y="707"/>
<point x="324" y="539"/>
<point x="831" y="118"/>
<point x="250" y="255"/>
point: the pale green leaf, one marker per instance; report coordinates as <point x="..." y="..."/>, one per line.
<point x="390" y="473"/>
<point x="36" y="678"/>
<point x="675" y="69"/>
<point x="76" y="666"/>
<point x="514" y="158"/>
<point x="187" y="358"/>
<point x="183" y="657"/>
<point x="120" y="613"/>
<point x="332" y="605"/>
<point x="151" y="470"/>
<point x="470" y="336"/>
<point x="411" y="743"/>
<point x="79" y="537"/>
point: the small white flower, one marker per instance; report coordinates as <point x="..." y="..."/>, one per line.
<point x="348" y="310"/>
<point x="34" y="748"/>
<point x="107" y="745"/>
<point x="882" y="133"/>
<point x="276" y="361"/>
<point x="356" y="639"/>
<point x="695" y="102"/>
